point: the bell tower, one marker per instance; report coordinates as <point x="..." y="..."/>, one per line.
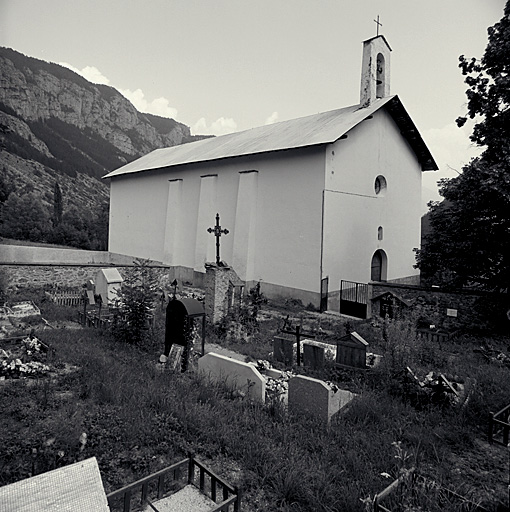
<point x="375" y="70"/>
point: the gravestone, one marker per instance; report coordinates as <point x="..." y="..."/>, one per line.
<point x="283" y="350"/>
<point x="107" y="283"/>
<point x="175" y="357"/>
<point x="77" y="487"/>
<point x="241" y="376"/>
<point x="351" y="350"/>
<point x="313" y="356"/>
<point x="316" y="398"/>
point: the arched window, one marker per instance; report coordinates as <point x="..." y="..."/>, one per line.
<point x="379" y="233"/>
<point x="380" y="186"/>
<point x="378" y="266"/>
<point x="380" y="76"/>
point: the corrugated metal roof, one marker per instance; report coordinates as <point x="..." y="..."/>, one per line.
<point x="322" y="128"/>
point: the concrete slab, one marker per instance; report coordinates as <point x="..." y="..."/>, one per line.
<point x="316" y="398"/>
<point x="77" y="487"/>
<point x="241" y="376"/>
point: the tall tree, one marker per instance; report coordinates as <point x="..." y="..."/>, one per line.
<point x="470" y="239"/>
<point x="58" y="206"/>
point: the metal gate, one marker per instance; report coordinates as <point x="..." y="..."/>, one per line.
<point x="353" y="299"/>
<point x="324" y="294"/>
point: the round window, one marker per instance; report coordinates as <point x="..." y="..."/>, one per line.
<point x="380" y="185"/>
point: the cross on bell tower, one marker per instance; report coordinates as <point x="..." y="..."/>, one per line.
<point x="378" y="25"/>
<point x="217" y="233"/>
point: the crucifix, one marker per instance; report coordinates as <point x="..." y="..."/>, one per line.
<point x="217" y="233"/>
<point x="378" y="24"/>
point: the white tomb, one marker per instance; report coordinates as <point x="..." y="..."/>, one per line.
<point x="108" y="282"/>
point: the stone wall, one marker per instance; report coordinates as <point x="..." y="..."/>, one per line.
<point x="21" y="254"/>
<point x="62" y="276"/>
<point x="449" y="310"/>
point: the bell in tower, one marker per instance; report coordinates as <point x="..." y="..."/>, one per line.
<point x="375" y="70"/>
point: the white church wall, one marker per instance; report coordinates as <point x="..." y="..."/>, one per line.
<point x="166" y="215"/>
<point x="289" y="223"/>
<point x="136" y="225"/>
<point x="353" y="212"/>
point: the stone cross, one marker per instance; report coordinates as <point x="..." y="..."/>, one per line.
<point x="378" y="24"/>
<point x="217" y="233"/>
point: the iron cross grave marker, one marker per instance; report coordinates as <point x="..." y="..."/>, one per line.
<point x="217" y="233"/>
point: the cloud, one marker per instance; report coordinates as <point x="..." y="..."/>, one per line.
<point x="272" y="118"/>
<point x="159" y="106"/>
<point x="221" y="126"/>
<point x="90" y="73"/>
<point x="451" y="148"/>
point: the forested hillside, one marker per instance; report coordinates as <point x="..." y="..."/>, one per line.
<point x="59" y="134"/>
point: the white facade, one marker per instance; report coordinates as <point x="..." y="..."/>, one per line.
<point x="271" y="205"/>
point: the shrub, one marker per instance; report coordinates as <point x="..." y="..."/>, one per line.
<point x="135" y="302"/>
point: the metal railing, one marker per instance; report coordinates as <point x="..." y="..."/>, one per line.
<point x="168" y="480"/>
<point x="499" y="424"/>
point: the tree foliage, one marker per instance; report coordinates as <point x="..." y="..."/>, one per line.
<point x="469" y="244"/>
<point x="136" y="300"/>
<point x="24" y="217"/>
<point x="58" y="207"/>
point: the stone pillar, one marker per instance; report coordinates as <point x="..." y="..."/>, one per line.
<point x="218" y="280"/>
<point x="173" y="211"/>
<point x="205" y="242"/>
<point x="244" y="239"/>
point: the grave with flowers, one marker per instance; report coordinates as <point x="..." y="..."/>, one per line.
<point x="23" y="357"/>
<point x="262" y="383"/>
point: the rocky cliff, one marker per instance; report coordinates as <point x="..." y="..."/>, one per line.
<point x="37" y="91"/>
<point x="55" y="126"/>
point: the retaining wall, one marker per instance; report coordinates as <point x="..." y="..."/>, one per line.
<point x="67" y="268"/>
<point x="450" y="310"/>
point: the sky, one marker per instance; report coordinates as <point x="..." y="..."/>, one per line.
<point x="229" y="65"/>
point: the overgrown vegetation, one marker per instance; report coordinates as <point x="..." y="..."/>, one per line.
<point x="469" y="243"/>
<point x="135" y="304"/>
<point x="138" y="419"/>
<point x="24" y="216"/>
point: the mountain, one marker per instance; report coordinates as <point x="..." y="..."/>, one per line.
<point x="55" y="126"/>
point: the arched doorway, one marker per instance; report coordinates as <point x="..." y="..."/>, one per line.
<point x="378" y="266"/>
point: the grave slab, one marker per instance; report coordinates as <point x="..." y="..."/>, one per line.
<point x="242" y="376"/>
<point x="77" y="487"/>
<point x="316" y="398"/>
<point x="313" y="356"/>
<point x="352" y="351"/>
<point x="283" y="350"/>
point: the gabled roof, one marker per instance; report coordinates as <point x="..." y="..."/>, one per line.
<point x="355" y="338"/>
<point x="317" y="129"/>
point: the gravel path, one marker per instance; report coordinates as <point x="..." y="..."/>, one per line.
<point x="188" y="499"/>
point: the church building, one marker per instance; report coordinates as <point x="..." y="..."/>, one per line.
<point x="311" y="205"/>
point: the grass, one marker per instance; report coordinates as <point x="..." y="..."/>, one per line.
<point x="139" y="420"/>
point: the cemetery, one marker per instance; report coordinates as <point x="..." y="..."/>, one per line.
<point x="271" y="406"/>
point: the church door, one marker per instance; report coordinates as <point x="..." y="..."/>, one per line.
<point x="377" y="266"/>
